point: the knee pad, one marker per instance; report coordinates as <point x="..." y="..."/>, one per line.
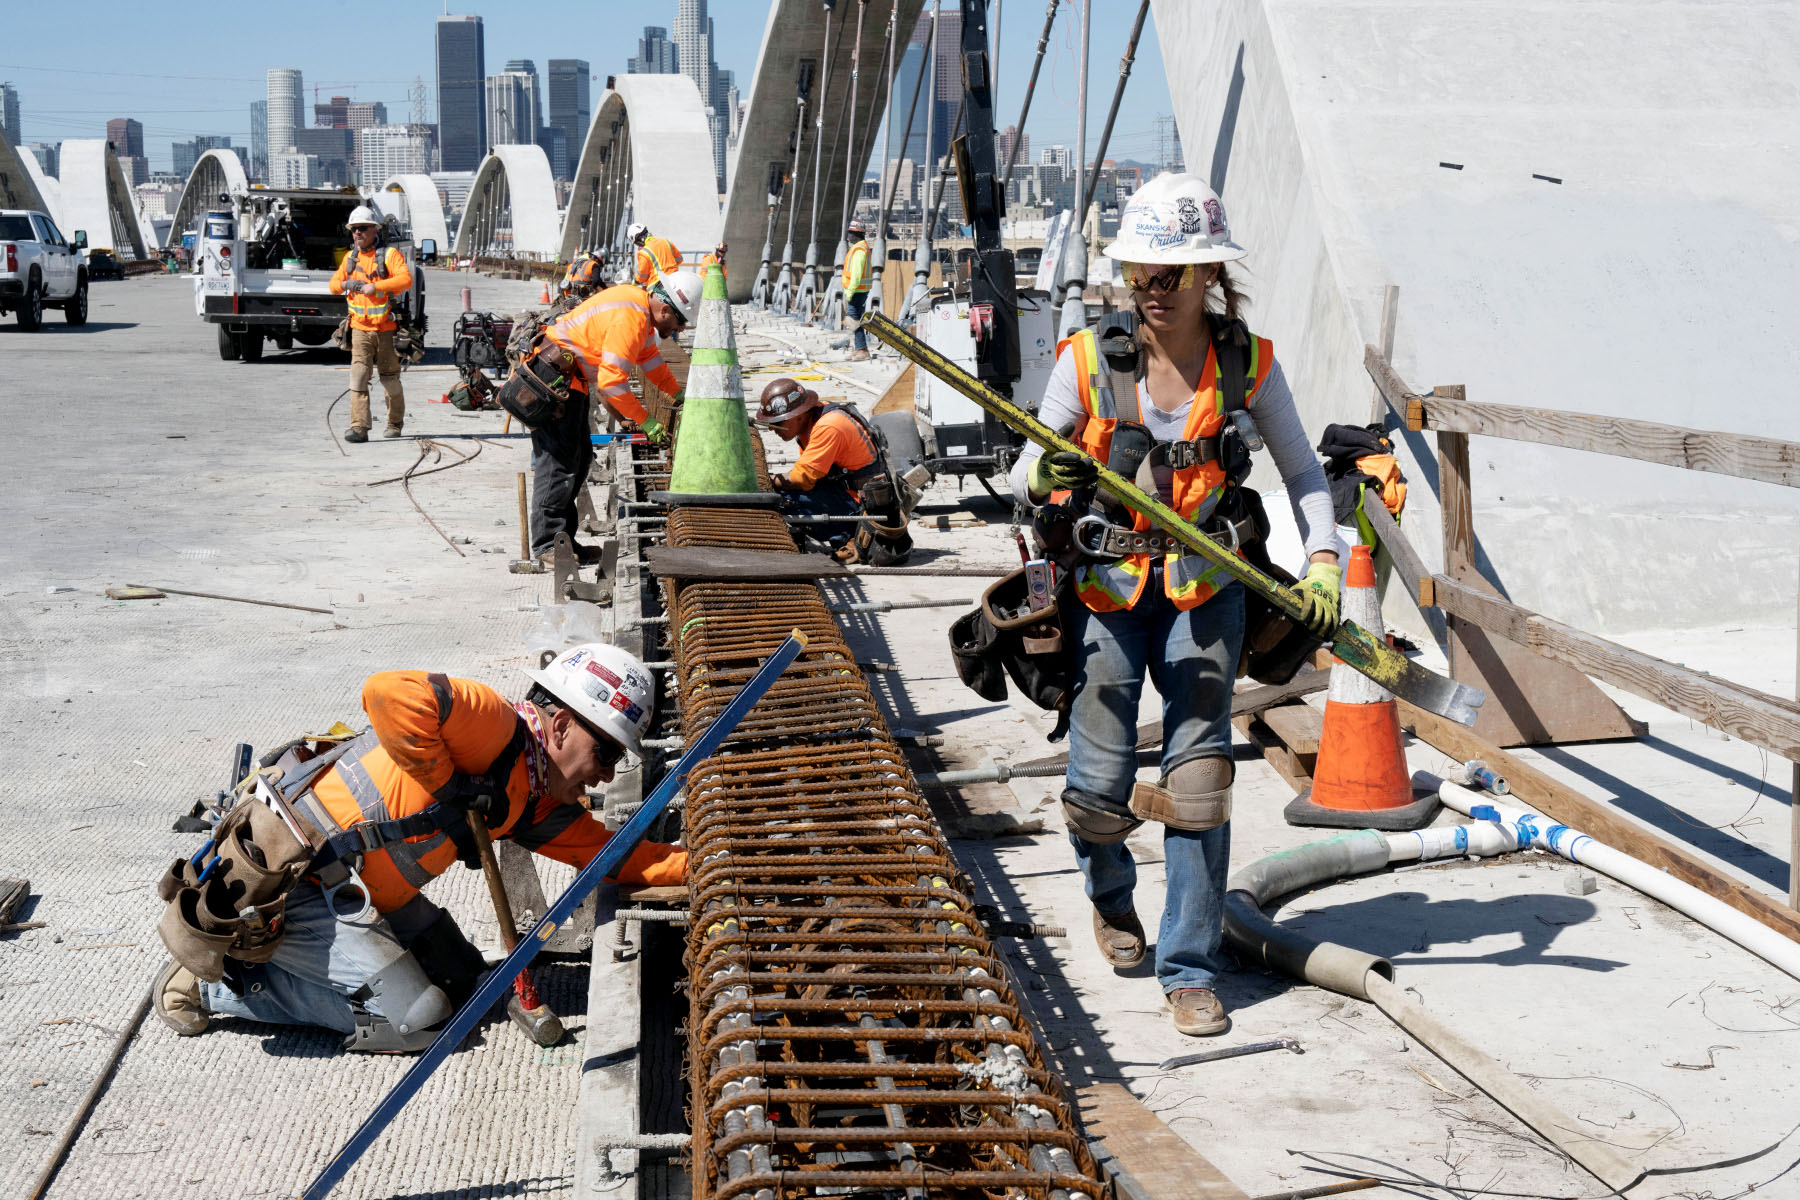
<point x="408" y="1005"/>
<point x="1095" y="819"/>
<point x="1194" y="795"/>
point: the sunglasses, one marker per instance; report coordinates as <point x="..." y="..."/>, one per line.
<point x="1143" y="277"/>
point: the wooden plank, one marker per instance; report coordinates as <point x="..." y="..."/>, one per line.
<point x="1157" y="1157"/>
<point x="899" y="395"/>
<point x="1756" y="717"/>
<point x="1390" y="312"/>
<point x="1794" y="786"/>
<point x="1570" y="807"/>
<point x="1299" y="725"/>
<point x="1296" y="771"/>
<point x="711" y="562"/>
<point x="1407" y="563"/>
<point x="1457" y="501"/>
<point x="1244" y="702"/>
<point x="1768" y="460"/>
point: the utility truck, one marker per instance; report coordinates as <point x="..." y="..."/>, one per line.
<point x="264" y="259"/>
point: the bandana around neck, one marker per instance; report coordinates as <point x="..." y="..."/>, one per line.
<point x="537" y="752"/>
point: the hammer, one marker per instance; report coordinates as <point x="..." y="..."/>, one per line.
<point x="524" y="1006"/>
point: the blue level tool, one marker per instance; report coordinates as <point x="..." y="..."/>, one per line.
<point x="598" y="439"/>
<point x="499" y="980"/>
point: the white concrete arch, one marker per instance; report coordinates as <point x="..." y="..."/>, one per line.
<point x="647" y="157"/>
<point x="97" y="198"/>
<point x="424" y="211"/>
<point x="216" y="173"/>
<point x="19" y="180"/>
<point x="512" y="207"/>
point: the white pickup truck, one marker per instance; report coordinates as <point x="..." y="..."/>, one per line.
<point x="40" y="269"/>
<point x="263" y="268"/>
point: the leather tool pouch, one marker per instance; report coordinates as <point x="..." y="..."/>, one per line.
<point x="537" y="392"/>
<point x="1005" y="637"/>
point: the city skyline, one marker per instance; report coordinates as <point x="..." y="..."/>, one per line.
<point x="74" y="103"/>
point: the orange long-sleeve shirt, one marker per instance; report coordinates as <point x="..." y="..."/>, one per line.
<point x="835" y="440"/>
<point x="657" y="256"/>
<point x="426" y="729"/>
<point x="610" y="332"/>
<point x="372" y="312"/>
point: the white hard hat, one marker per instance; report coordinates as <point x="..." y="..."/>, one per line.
<point x="606" y="687"/>
<point x="362" y="214"/>
<point x="1174" y="219"/>
<point x="682" y="289"/>
<point x="634" y="232"/>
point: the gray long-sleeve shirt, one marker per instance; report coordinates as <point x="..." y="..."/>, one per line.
<point x="1271" y="407"/>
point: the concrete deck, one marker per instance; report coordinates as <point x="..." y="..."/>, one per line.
<point x="165" y="465"/>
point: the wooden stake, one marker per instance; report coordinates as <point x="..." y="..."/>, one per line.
<point x="524" y="522"/>
<point x="1794" y="783"/>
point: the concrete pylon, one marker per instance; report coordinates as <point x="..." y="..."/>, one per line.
<point x="712" y="450"/>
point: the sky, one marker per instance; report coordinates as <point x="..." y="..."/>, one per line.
<point x="184" y="69"/>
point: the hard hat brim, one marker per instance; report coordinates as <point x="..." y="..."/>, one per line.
<point x="1218" y="252"/>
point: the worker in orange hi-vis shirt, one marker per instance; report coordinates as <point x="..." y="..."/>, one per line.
<point x="656" y="256"/>
<point x="370" y="276"/>
<point x="440" y="753"/>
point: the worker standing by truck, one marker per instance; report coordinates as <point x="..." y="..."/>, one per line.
<point x="1177" y="386"/>
<point x="656" y="256"/>
<point x="370" y="276"/>
<point x="856" y="285"/>
<point x="585" y="355"/>
<point x="358" y="947"/>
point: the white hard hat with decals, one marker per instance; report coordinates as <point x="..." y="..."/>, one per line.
<point x="1174" y="219"/>
<point x="362" y="214"/>
<point x="605" y="686"/>
<point x="681" y="289"/>
<point x="635" y="233"/>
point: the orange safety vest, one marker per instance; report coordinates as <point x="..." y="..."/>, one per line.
<point x="856" y="269"/>
<point x="1188" y="580"/>
<point x="656" y="257"/>
<point x="371" y="312"/>
<point x="713" y="260"/>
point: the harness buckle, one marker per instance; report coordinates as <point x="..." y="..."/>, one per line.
<point x="368" y="836"/>
<point x="1090" y="535"/>
<point x="1182" y="456"/>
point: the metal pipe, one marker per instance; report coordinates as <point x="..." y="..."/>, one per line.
<point x="1012" y="153"/>
<point x="831" y="312"/>
<point x="999" y="772"/>
<point x="892" y="185"/>
<point x="878" y="250"/>
<point x="1137" y="28"/>
<point x="919" y="295"/>
<point x="779" y="302"/>
<point x="881" y="606"/>
<point x="809" y="279"/>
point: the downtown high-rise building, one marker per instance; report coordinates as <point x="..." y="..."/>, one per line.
<point x="384" y="151"/>
<point x="656" y="55"/>
<point x="461" y="90"/>
<point x="286" y="118"/>
<point x="511" y="99"/>
<point x="694" y="52"/>
<point x="570" y="109"/>
<point x="9" y="115"/>
<point x="939" y="98"/>
<point x="126" y="136"/>
<point x="258" y="166"/>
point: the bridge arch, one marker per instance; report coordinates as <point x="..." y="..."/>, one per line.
<point x="216" y="173"/>
<point x="647" y="157"/>
<point x="96" y="197"/>
<point x="19" y="180"/>
<point x="424" y="211"/>
<point x="511" y="211"/>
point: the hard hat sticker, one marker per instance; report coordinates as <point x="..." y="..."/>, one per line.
<point x="594" y="668"/>
<point x="1189" y="214"/>
<point x="632" y="712"/>
<point x="1215" y="216"/>
<point x="599" y="691"/>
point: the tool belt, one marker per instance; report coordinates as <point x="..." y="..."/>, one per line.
<point x="1007" y="638"/>
<point x="539" y="390"/>
<point x="1095" y="537"/>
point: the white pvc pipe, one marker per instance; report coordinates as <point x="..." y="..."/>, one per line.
<point x="1522" y="829"/>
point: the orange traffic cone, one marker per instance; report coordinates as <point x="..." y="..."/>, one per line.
<point x="1361" y="779"/>
<point x="544" y="298"/>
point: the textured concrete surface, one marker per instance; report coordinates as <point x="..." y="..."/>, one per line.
<point x="1369" y="143"/>
<point x="137" y="456"/>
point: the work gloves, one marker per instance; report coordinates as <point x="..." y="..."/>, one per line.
<point x="478" y="795"/>
<point x="653" y="430"/>
<point x="1062" y="470"/>
<point x="1318" y="596"/>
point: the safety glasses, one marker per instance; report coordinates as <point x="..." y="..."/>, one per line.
<point x="1148" y="277"/>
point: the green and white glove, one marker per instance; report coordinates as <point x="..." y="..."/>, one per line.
<point x="1062" y="470"/>
<point x="653" y="429"/>
<point x="1318" y="596"/>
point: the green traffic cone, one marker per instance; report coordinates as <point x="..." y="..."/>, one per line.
<point x="712" y="451"/>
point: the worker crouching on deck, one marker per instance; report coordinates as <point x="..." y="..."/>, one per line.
<point x="1176" y="386"/>
<point x="842" y="472"/>
<point x="356" y="945"/>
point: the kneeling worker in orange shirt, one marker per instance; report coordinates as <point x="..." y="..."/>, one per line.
<point x="440" y="753"/>
<point x="842" y="472"/>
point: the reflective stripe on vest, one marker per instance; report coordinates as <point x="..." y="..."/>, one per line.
<point x="1188" y="580"/>
<point x="373" y="806"/>
<point x="370" y="308"/>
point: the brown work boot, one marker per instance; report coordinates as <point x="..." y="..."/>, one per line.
<point x="1120" y="938"/>
<point x="859" y="356"/>
<point x="357" y="435"/>
<point x="177" y="1000"/>
<point x="392" y="431"/>
<point x="1197" y="1012"/>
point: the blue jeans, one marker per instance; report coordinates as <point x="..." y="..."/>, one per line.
<point x="858" y="300"/>
<point x="1191" y="657"/>
<point x="320" y="962"/>
<point x="826" y="499"/>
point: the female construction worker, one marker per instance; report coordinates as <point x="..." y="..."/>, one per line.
<point x="841" y="472"/>
<point x="1172" y="616"/>
<point x="440" y="752"/>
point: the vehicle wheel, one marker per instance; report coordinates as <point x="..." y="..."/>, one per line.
<point x="250" y="345"/>
<point x="283" y="341"/>
<point x="228" y="347"/>
<point x="31" y="308"/>
<point x="75" y="308"/>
